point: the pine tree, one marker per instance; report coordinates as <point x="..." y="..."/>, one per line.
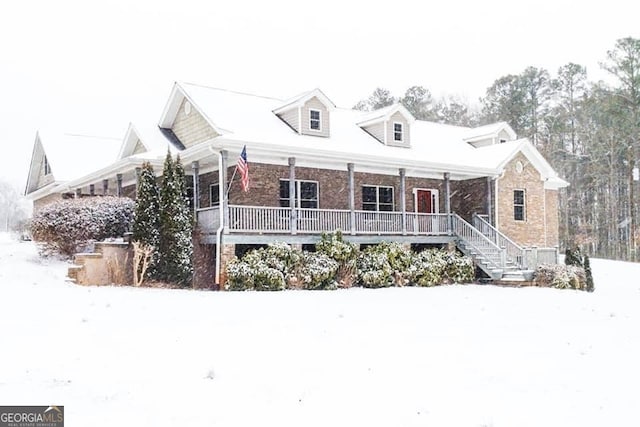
<point x="175" y="244"/>
<point x="147" y="217"/>
<point x="588" y="274"/>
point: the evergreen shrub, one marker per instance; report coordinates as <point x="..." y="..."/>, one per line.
<point x="63" y="227"/>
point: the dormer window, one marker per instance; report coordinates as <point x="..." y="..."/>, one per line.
<point x="314" y="120"/>
<point x="397" y="132"/>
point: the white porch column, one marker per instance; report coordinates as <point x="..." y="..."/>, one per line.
<point x="488" y="207"/>
<point x="403" y="199"/>
<point x="224" y="160"/>
<point x="447" y="201"/>
<point x="119" y="184"/>
<point x="292" y="195"/>
<point x="352" y="197"/>
<point x="195" y="167"/>
<point x="105" y="187"/>
<point x="138" y="173"/>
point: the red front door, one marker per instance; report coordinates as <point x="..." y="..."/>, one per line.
<point x="425" y="201"/>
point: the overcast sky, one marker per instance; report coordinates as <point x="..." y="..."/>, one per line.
<point x="84" y="66"/>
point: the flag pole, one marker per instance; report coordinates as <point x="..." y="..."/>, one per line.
<point x="231" y="182"/>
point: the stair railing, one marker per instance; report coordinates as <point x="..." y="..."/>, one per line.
<point x="514" y="252"/>
<point x="474" y="238"/>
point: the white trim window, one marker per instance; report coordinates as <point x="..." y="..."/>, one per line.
<point x="377" y="198"/>
<point x="398" y="132"/>
<point x="305" y="193"/>
<point x="519" y="205"/>
<point x="315" y="120"/>
<point x="214" y="194"/>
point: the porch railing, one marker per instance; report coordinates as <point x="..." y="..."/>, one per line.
<point x="278" y="220"/>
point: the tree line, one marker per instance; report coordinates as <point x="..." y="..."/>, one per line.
<point x="588" y="130"/>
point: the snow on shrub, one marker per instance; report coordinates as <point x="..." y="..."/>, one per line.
<point x="561" y="276"/>
<point x="345" y="253"/>
<point x="280" y="266"/>
<point x="459" y="268"/>
<point x="334" y="246"/>
<point x="264" y="269"/>
<point x="66" y="225"/>
<point x="436" y="267"/>
<point x="428" y="268"/>
<point x="374" y="270"/>
<point x="318" y="271"/>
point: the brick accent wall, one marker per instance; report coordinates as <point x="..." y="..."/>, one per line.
<point x="470" y="197"/>
<point x="553" y="218"/>
<point x="540" y="226"/>
<point x="192" y="128"/>
<point x="334" y="188"/>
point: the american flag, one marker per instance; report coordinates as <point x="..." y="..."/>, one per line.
<point x="243" y="168"/>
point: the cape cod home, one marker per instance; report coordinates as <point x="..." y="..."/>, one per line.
<point x="314" y="167"/>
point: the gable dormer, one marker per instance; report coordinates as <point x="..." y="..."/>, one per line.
<point x="185" y="120"/>
<point x="390" y="125"/>
<point x="495" y="133"/>
<point x="40" y="173"/>
<point x="308" y="114"/>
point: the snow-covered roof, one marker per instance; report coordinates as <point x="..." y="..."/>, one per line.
<point x="301" y="99"/>
<point x="250" y="119"/>
<point x="385" y="113"/>
<point x="488" y="131"/>
<point x="74" y="155"/>
<point x="155" y="141"/>
<point x="498" y="155"/>
<point x="244" y="119"/>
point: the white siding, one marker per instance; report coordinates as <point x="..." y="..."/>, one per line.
<point x="376" y="130"/>
<point x="406" y="137"/>
<point x="291" y="118"/>
<point x="315" y="104"/>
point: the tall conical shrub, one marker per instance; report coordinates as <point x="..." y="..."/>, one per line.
<point x="589" y="276"/>
<point x="147" y="214"/>
<point x="175" y="243"/>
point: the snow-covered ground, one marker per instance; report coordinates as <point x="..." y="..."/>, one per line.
<point x="445" y="356"/>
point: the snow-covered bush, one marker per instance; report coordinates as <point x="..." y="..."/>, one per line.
<point x="561" y="276"/>
<point x="387" y="264"/>
<point x="264" y="269"/>
<point x="334" y="246"/>
<point x="374" y="270"/>
<point x="64" y="226"/>
<point x="318" y="271"/>
<point x="345" y="253"/>
<point x="459" y="268"/>
<point x="428" y="268"/>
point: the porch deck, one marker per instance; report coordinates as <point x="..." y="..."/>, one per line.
<point x="491" y="250"/>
